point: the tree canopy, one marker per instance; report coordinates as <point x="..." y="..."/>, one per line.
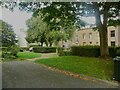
<point x="39" y="31"/>
<point x="7" y="35"/>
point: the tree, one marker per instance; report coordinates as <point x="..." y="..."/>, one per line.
<point x="109" y="12"/>
<point x="37" y="30"/>
<point x="7" y="35"/>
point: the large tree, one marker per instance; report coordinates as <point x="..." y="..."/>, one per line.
<point x="37" y="30"/>
<point x="7" y="35"/>
<point x="106" y="14"/>
<point x="40" y="31"/>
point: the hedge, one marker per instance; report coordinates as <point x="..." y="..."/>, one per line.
<point x="39" y="49"/>
<point x="91" y="51"/>
<point x="88" y="51"/>
<point x="24" y="49"/>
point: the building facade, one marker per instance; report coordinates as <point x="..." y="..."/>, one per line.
<point x="89" y="36"/>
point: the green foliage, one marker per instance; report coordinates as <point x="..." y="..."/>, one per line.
<point x="7" y="35"/>
<point x="89" y="66"/>
<point x="24" y="49"/>
<point x="10" y="52"/>
<point x="37" y="30"/>
<point x="118" y="52"/>
<point x="91" y="51"/>
<point x="44" y="49"/>
<point x="14" y="50"/>
<point x="63" y="52"/>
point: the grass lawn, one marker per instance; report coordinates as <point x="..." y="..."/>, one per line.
<point x="28" y="55"/>
<point x="82" y="65"/>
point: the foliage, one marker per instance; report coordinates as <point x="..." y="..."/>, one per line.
<point x="37" y="30"/>
<point x="118" y="52"/>
<point x="88" y="51"/>
<point x="24" y="48"/>
<point x="44" y="49"/>
<point x="91" y="51"/>
<point x="8" y="41"/>
<point x="65" y="14"/>
<point x="14" y="50"/>
<point x="65" y="53"/>
<point x="7" y="35"/>
<point x="10" y="52"/>
<point x="89" y="66"/>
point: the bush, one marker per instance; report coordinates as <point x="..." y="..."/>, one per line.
<point x="88" y="51"/>
<point x="62" y="52"/>
<point x="10" y="52"/>
<point x="24" y="49"/>
<point x="118" y="52"/>
<point x="39" y="49"/>
<point x="65" y="53"/>
<point x="14" y="50"/>
<point x="112" y="51"/>
<point x="60" y="49"/>
<point x="91" y="51"/>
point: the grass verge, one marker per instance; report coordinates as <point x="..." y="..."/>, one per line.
<point x="95" y="67"/>
<point x="28" y="55"/>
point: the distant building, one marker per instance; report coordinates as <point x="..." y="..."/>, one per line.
<point x="21" y="38"/>
<point x="88" y="36"/>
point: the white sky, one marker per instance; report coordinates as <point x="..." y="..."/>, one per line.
<point x="16" y="18"/>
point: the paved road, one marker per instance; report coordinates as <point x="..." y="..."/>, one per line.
<point x="27" y="74"/>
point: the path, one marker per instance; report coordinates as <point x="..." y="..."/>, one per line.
<point x="45" y="55"/>
<point x="27" y="74"/>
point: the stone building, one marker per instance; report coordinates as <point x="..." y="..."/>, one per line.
<point x="88" y="36"/>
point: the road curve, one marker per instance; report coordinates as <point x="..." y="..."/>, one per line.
<point x="27" y="74"/>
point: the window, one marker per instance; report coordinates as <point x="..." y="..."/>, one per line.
<point x="97" y="43"/>
<point x="90" y="43"/>
<point x="84" y="35"/>
<point x="84" y="43"/>
<point x="77" y="39"/>
<point x="112" y="33"/>
<point x="90" y="36"/>
<point x="112" y="43"/>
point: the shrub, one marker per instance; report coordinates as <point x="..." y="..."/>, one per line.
<point x="14" y="50"/>
<point x="89" y="51"/>
<point x="65" y="53"/>
<point x="24" y="49"/>
<point x="118" y="52"/>
<point x="112" y="51"/>
<point x="60" y="49"/>
<point x="39" y="49"/>
<point x="10" y="52"/>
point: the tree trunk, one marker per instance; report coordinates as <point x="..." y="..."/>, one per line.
<point x="50" y="44"/>
<point x="104" y="50"/>
<point x="41" y="44"/>
<point x="102" y="28"/>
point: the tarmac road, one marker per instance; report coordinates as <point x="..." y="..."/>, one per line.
<point x="27" y="74"/>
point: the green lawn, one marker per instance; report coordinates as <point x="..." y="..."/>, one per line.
<point x="28" y="55"/>
<point x="82" y="65"/>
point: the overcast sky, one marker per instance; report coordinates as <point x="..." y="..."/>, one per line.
<point x="16" y="18"/>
